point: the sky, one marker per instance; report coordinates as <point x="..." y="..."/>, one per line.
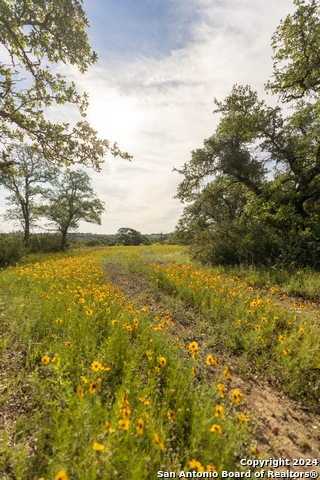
<point x="160" y="65"/>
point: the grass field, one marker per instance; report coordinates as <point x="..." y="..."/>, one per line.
<point x="101" y="383"/>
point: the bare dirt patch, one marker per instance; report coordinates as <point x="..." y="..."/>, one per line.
<point x="283" y="427"/>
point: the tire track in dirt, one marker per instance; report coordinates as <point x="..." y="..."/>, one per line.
<point x="283" y="427"/>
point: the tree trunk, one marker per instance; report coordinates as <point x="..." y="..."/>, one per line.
<point x="26" y="236"/>
<point x="64" y="240"/>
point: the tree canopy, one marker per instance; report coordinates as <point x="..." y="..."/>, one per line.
<point x="25" y="183"/>
<point x="37" y="37"/>
<point x="253" y="189"/>
<point x="70" y="200"/>
<point x="129" y="236"/>
<point x="295" y="43"/>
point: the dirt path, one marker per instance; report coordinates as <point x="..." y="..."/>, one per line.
<point x="283" y="428"/>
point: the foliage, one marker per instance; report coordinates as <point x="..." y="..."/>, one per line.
<point x="251" y="323"/>
<point x="103" y="376"/>
<point x="11" y="249"/>
<point x="128" y="236"/>
<point x="44" y="243"/>
<point x="96" y="376"/>
<point x="296" y="52"/>
<point x="38" y="37"/>
<point x="253" y="190"/>
<point x="70" y="200"/>
<point x="24" y="182"/>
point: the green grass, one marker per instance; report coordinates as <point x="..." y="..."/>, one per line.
<point x="98" y="387"/>
<point x="88" y="356"/>
<point x="282" y="342"/>
<point x="246" y="313"/>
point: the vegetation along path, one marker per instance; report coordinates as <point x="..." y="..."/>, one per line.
<point x="284" y="428"/>
<point x="139" y="350"/>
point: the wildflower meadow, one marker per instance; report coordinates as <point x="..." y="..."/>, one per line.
<point x="98" y="385"/>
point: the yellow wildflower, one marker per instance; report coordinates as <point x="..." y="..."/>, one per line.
<point x="140" y="426"/>
<point x="196" y="465"/>
<point x="80" y="391"/>
<point x="94" y="387"/>
<point x="124" y="424"/>
<point x="210" y="360"/>
<point x="135" y="323"/>
<point x="216" y="429"/>
<point x="170" y="414"/>
<point x="159" y="442"/>
<point x="162" y="361"/>
<point x="61" y="475"/>
<point x="286" y="351"/>
<point x="257" y="452"/>
<point x="98" y="446"/>
<point x="96" y="366"/>
<point x="243" y="418"/>
<point x="219" y="411"/>
<point x="45" y="359"/>
<point x="124" y="398"/>
<point x="211" y="468"/>
<point x="237" y="396"/>
<point x="125" y="412"/>
<point x="222" y="390"/>
<point x="109" y="428"/>
<point x="105" y="369"/>
<point x="193" y="346"/>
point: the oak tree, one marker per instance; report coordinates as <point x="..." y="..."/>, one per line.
<point x="25" y="181"/>
<point x="129" y="236"/>
<point x="295" y="43"/>
<point x="253" y="190"/>
<point x="70" y="200"/>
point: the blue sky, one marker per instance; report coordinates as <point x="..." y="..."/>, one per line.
<point x="161" y="64"/>
<point x="126" y="28"/>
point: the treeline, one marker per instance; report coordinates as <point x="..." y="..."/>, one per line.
<point x="116" y="239"/>
<point x="13" y="248"/>
<point x="40" y="191"/>
<point x="252" y="192"/>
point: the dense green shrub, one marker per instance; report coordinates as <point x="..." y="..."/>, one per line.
<point x="44" y="243"/>
<point x="11" y="248"/>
